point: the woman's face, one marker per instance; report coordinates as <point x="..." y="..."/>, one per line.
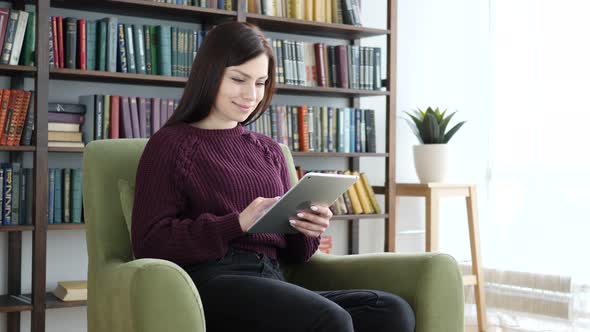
<point x="242" y="88"/>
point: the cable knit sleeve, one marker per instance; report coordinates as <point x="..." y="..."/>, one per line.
<point x="159" y="229"/>
<point x="299" y="248"/>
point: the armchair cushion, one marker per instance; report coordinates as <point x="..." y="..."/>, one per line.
<point x="126" y="194"/>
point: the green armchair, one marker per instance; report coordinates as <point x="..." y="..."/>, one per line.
<point x="145" y="295"/>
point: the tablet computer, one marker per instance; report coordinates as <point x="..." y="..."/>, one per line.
<point x="312" y="189"/>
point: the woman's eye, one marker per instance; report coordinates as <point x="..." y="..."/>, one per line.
<point x="237" y="80"/>
<point x="261" y="83"/>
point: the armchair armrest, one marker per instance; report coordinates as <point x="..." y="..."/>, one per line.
<point x="430" y="282"/>
<point x="146" y="295"/>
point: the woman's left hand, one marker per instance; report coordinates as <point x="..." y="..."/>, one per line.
<point x="312" y="223"/>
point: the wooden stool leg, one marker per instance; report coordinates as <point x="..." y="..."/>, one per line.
<point x="473" y="221"/>
<point x="432" y="213"/>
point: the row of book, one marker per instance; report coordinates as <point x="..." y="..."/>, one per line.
<point x="358" y="199"/>
<point x="16" y="117"/>
<point x="318" y="64"/>
<point x="16" y="195"/>
<point x="17" y="37"/>
<point x="327" y="11"/>
<point x="106" y="116"/>
<point x="217" y="4"/>
<point x="108" y="45"/>
<point x="64" y="203"/>
<point x="319" y="129"/>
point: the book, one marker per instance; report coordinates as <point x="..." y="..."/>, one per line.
<point x="371" y="193"/>
<point x="64" y="136"/>
<point x="63" y="126"/>
<point x="58" y="144"/>
<point x="66" y="108"/>
<point x="71" y="290"/>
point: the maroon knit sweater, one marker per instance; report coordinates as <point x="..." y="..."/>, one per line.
<point x="193" y="183"/>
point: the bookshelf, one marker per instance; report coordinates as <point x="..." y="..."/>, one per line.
<point x="38" y="301"/>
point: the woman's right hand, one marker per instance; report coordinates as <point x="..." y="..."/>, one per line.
<point x="253" y="211"/>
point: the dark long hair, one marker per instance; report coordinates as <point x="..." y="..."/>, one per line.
<point x="228" y="44"/>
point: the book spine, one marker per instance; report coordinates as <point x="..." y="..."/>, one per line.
<point x="58" y="197"/>
<point x="115" y="116"/>
<point x="21" y="27"/>
<point x="7" y="199"/>
<point x="127" y="127"/>
<point x="52" y="49"/>
<point x="142" y="115"/>
<point x="67" y="178"/>
<point x="4" y="17"/>
<point x="111" y="44"/>
<point x="51" y="196"/>
<point x="29" y="123"/>
<point x="91" y="45"/>
<point x="131" y="65"/>
<point x="16" y="193"/>
<point x="156" y="121"/>
<point x="98" y="116"/>
<point x="76" y="196"/>
<point x="139" y="49"/>
<point x="9" y="37"/>
<point x="82" y="44"/>
<point x="70" y="43"/>
<point x="102" y="41"/>
<point x="122" y="55"/>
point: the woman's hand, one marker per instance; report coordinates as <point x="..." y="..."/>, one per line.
<point x="313" y="223"/>
<point x="251" y="213"/>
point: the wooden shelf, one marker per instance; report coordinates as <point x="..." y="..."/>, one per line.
<point x="17" y="148"/>
<point x="359" y="216"/>
<point x="111" y="77"/>
<point x="66" y="150"/>
<point x="16" y="228"/>
<point x="52" y="302"/>
<point x="67" y="226"/>
<point x="336" y="154"/>
<point x="17" y="70"/>
<point x="304" y="27"/>
<point x="11" y="303"/>
<point x="151" y="9"/>
<point x="285" y="89"/>
<point x="169" y="81"/>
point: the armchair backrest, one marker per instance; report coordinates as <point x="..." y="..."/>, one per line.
<point x="105" y="162"/>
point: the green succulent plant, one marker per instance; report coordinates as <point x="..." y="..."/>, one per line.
<point x="430" y="126"/>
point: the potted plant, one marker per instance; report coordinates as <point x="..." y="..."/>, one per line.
<point x="431" y="156"/>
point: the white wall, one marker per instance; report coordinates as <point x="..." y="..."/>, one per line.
<point x="442" y="60"/>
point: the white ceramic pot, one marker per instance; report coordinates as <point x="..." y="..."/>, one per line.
<point x="431" y="162"/>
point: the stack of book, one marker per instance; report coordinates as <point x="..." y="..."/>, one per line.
<point x="17" y="37"/>
<point x="325" y="244"/>
<point x="64" y="125"/>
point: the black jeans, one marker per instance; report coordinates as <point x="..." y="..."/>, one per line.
<point x="246" y="291"/>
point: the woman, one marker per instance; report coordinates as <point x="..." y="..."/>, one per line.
<point x="203" y="179"/>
